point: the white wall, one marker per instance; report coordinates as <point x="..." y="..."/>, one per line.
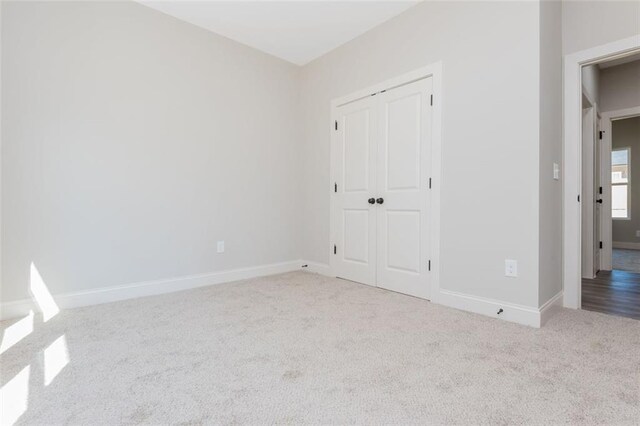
<point x="132" y="141"/>
<point x="137" y="112"/>
<point x="586" y="24"/>
<point x="620" y="87"/>
<point x="591" y="82"/>
<point x="490" y="199"/>
<point x="550" y="245"/>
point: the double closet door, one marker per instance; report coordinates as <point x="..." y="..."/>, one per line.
<point x="381" y="161"/>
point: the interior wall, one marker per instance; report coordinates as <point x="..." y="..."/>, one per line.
<point x="164" y="123"/>
<point x="620" y="87"/>
<point x="591" y="82"/>
<point x="587" y="24"/>
<point x="490" y="148"/>
<point x="550" y="246"/>
<point x="132" y="142"/>
<point x="626" y="133"/>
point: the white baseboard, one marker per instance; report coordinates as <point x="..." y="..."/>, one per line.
<point x="511" y="312"/>
<point x="550" y="307"/>
<point x="525" y="315"/>
<point x="147" y="288"/>
<point x="317" y="268"/>
<point x="625" y="245"/>
<point x="15" y="309"/>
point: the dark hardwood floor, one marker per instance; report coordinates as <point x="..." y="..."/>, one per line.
<point x="613" y="292"/>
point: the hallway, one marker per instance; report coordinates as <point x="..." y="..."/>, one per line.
<point x="626" y="260"/>
<point x="613" y="292"/>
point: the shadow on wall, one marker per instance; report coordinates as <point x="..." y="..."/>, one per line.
<point x="46" y="363"/>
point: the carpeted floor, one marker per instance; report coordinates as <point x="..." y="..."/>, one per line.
<point x="626" y="260"/>
<point x="300" y="348"/>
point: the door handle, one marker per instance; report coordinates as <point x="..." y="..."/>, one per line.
<point x="599" y="201"/>
<point x="372" y="200"/>
<point x="380" y="200"/>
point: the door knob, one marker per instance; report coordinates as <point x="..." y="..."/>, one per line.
<point x="372" y="200"/>
<point x="380" y="200"/>
<point x="599" y="201"/>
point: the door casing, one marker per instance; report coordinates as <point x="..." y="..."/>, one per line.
<point x="572" y="158"/>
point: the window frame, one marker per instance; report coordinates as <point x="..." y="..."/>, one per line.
<point x="627" y="183"/>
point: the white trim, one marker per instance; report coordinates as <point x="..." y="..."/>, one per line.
<point x="409" y="77"/>
<point x="519" y="314"/>
<point x="606" y="224"/>
<point x="317" y="268"/>
<point x="147" y="288"/>
<point x="436" y="174"/>
<point x="572" y="81"/>
<point x="550" y="308"/>
<point x="625" y="245"/>
<point x="588" y="202"/>
<point x="621" y="114"/>
<point x="15" y="309"/>
<point x="435" y="72"/>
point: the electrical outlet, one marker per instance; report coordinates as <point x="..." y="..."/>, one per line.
<point x="510" y="268"/>
<point x="220" y="246"/>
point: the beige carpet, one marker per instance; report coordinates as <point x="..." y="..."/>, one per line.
<point x="300" y="349"/>
<point x="626" y="260"/>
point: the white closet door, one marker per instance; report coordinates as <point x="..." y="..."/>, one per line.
<point x="353" y="217"/>
<point x="403" y="170"/>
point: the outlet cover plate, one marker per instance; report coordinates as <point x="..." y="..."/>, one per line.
<point x="510" y="268"/>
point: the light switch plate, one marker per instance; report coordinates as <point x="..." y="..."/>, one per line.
<point x="220" y="246"/>
<point x="556" y="171"/>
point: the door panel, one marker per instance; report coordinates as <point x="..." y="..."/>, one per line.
<point x="381" y="149"/>
<point x="403" y="142"/>
<point x="403" y="169"/>
<point x="597" y="196"/>
<point x="403" y="240"/>
<point x="356" y="151"/>
<point x="353" y="218"/>
<point x="356" y="236"/>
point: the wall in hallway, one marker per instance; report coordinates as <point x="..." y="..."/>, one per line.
<point x="626" y="133"/>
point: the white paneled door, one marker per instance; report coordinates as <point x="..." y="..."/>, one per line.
<point x="381" y="161"/>
<point x="354" y="216"/>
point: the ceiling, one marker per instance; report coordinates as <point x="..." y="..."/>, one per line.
<point x="296" y="31"/>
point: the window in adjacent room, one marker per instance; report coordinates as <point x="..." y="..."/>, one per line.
<point x="620" y="183"/>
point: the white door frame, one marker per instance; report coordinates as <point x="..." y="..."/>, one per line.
<point x="572" y="157"/>
<point x="606" y="223"/>
<point x="587" y="176"/>
<point x="435" y="72"/>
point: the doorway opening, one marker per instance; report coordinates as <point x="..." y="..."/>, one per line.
<point x="610" y="187"/>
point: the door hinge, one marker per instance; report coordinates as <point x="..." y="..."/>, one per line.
<point x="335" y="187"/>
<point x="336" y="124"/>
<point x="429" y="265"/>
<point x="431" y="100"/>
<point x="578" y="198"/>
<point x="335" y="249"/>
<point x="601" y="132"/>
<point x="429" y="183"/>
<point x="600" y="244"/>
